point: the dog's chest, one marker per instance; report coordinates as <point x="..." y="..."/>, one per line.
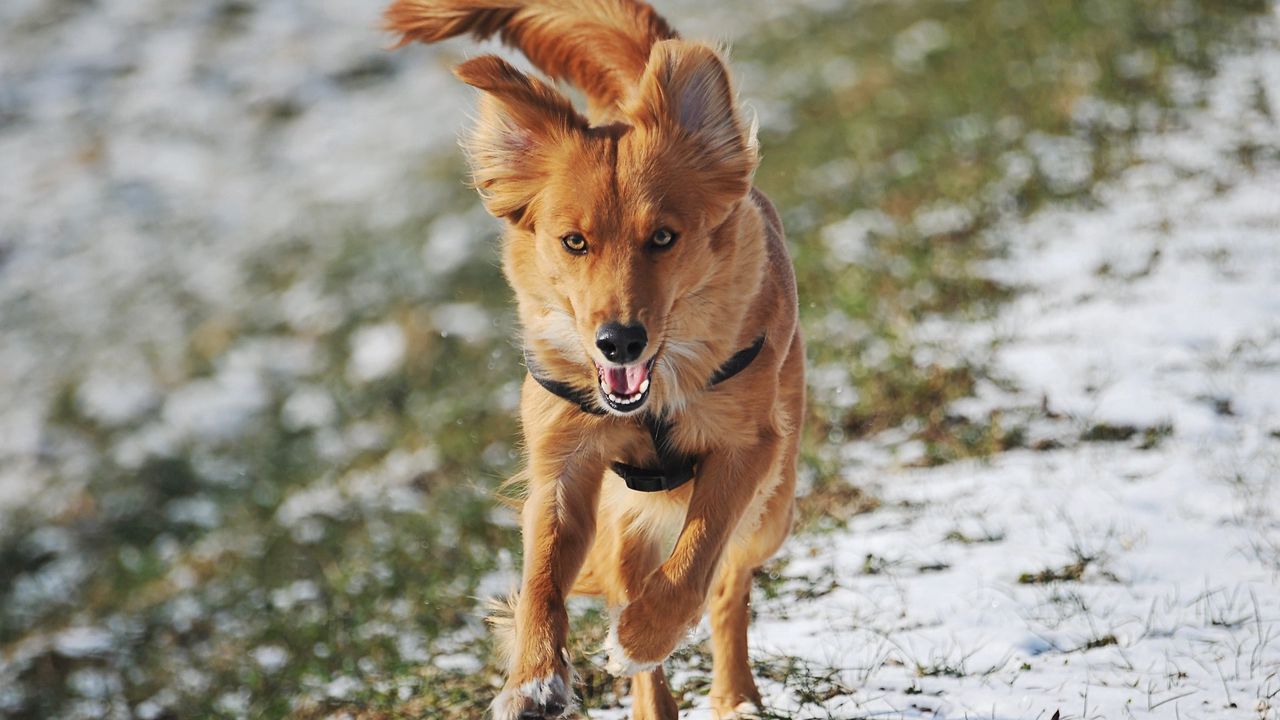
<point x="659" y="515"/>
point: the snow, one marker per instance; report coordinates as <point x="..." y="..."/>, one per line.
<point x="450" y="242"/>
<point x="308" y="407"/>
<point x="1157" y="309"/>
<point x="850" y="240"/>
<point x="151" y="152"/>
<point x="342" y="687"/>
<point x="468" y="321"/>
<point x="218" y="407"/>
<point x="115" y="393"/>
<point x="1172" y="582"/>
<point x="83" y="641"/>
<point x="376" y="351"/>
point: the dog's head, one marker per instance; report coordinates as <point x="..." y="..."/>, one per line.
<point x="613" y="229"/>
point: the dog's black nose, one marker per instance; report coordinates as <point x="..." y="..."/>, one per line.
<point x="621" y="343"/>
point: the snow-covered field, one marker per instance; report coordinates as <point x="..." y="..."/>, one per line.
<point x="1127" y="562"/>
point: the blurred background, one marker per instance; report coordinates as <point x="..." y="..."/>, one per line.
<point x="255" y="395"/>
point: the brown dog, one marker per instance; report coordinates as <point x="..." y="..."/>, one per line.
<point x="659" y="312"/>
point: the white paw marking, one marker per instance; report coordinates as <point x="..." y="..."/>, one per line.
<point x="539" y="692"/>
<point x="620" y="664"/>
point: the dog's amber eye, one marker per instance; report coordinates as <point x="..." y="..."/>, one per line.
<point x="662" y="237"/>
<point x="575" y="243"/>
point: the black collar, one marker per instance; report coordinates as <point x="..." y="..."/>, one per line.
<point x="737" y="363"/>
<point x="584" y="399"/>
<point x="674" y="469"/>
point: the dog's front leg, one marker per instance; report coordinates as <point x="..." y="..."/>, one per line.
<point x="671" y="600"/>
<point x="558" y="524"/>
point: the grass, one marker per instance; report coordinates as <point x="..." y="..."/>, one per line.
<point x="1071" y="572"/>
<point x="898" y="137"/>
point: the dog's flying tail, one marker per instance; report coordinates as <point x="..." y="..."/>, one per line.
<point x="600" y="46"/>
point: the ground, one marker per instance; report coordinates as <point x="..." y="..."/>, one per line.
<point x="256" y="392"/>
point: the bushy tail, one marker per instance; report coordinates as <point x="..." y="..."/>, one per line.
<point x="599" y="46"/>
<point x="500" y="616"/>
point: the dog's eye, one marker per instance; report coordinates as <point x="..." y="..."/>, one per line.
<point x="662" y="237"/>
<point x="575" y="243"/>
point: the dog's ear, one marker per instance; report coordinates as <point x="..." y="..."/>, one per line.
<point x="522" y="120"/>
<point x="686" y="90"/>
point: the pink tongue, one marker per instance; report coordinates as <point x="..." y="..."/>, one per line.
<point x="625" y="381"/>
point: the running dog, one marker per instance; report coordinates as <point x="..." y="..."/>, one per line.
<point x="665" y="392"/>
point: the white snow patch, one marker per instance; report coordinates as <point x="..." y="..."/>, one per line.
<point x="851" y="240"/>
<point x="118" y="393"/>
<point x="468" y="321"/>
<point x="77" y="642"/>
<point x="343" y="687"/>
<point x="199" y="511"/>
<point x="450" y="243"/>
<point x="270" y="657"/>
<point x="376" y="351"/>
<point x="943" y="219"/>
<point x="219" y="407"/>
<point x="307" y="408"/>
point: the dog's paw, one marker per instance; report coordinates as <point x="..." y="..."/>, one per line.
<point x="539" y="699"/>
<point x="745" y="710"/>
<point x="620" y="664"/>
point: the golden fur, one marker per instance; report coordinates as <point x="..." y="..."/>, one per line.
<point x="665" y="147"/>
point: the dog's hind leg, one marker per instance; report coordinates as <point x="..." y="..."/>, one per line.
<point x="733" y="689"/>
<point x="651" y="697"/>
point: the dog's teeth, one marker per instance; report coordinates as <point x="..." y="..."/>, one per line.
<point x="625" y="400"/>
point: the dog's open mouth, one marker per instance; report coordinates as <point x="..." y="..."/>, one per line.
<point x="625" y="388"/>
